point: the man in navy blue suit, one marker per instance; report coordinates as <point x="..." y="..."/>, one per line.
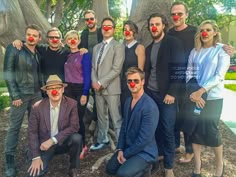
<point x="136" y="148"/>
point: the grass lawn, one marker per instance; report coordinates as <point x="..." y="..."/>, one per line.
<point x="231" y="87"/>
<point x="230" y="76"/>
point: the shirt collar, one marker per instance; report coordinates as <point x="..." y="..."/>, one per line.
<point x="131" y="44"/>
<point x="58" y="106"/>
<point x="108" y="40"/>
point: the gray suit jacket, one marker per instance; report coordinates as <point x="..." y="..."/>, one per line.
<point x="108" y="72"/>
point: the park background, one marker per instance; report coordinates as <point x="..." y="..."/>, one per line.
<point x="15" y="15"/>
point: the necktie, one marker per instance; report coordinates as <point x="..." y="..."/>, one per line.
<point x="100" y="53"/>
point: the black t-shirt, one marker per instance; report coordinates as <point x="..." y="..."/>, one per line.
<point x="52" y="62"/>
<point x="187" y="38"/>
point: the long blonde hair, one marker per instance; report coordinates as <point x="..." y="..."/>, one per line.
<point x="217" y="38"/>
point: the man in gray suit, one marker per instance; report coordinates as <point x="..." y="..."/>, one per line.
<point x="108" y="58"/>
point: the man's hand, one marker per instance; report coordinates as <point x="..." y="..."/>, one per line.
<point x="229" y="49"/>
<point x="96" y="86"/>
<point x="197" y="95"/>
<point x="201" y="103"/>
<point x="83" y="51"/>
<point x="169" y="99"/>
<point x="120" y="157"/>
<point x="35" y="167"/>
<point x="83" y="100"/>
<point x="17" y="103"/>
<point x="46" y="145"/>
<point x="17" y="44"/>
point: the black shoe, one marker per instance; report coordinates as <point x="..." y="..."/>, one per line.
<point x="10" y="170"/>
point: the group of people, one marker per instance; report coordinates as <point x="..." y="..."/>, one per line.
<point x="149" y="94"/>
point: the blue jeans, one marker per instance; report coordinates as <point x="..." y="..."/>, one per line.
<point x="16" y="119"/>
<point x="133" y="167"/>
<point x="165" y="135"/>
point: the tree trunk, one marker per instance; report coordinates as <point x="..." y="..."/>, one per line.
<point x="100" y="7"/>
<point x="141" y="10"/>
<point x="2" y="51"/>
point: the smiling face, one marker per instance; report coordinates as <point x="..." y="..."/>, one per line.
<point x="179" y="15"/>
<point x="73" y="41"/>
<point x="207" y="34"/>
<point x="128" y="33"/>
<point x="90" y="20"/>
<point x="55" y="92"/>
<point x="54" y="40"/>
<point x="156" y="27"/>
<point x="108" y="29"/>
<point x="135" y="83"/>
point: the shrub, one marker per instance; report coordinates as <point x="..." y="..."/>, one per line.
<point x="4" y="102"/>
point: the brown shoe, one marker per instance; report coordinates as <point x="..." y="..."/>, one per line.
<point x="169" y="173"/>
<point x="73" y="173"/>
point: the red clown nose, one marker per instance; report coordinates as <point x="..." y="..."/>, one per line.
<point x="154" y="29"/>
<point x="31" y="39"/>
<point x="127" y="33"/>
<point x="175" y="17"/>
<point x="132" y="84"/>
<point x="106" y="28"/>
<point x="54" y="92"/>
<point x="72" y="41"/>
<point x="54" y="41"/>
<point x="204" y="34"/>
<point x="90" y="22"/>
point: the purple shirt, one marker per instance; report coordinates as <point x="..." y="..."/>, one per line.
<point x="78" y="70"/>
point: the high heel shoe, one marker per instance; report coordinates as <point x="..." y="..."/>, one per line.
<point x="222" y="174"/>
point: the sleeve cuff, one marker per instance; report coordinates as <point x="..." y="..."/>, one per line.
<point x="36" y="158"/>
<point x="54" y="140"/>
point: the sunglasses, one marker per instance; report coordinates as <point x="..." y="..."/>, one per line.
<point x="53" y="37"/>
<point x="136" y="81"/>
<point x="179" y="14"/>
<point x="91" y="18"/>
<point x="54" y="88"/>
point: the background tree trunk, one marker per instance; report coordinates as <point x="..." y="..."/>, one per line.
<point x="141" y="10"/>
<point x="100" y="7"/>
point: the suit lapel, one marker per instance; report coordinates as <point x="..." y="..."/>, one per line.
<point x="106" y="51"/>
<point x="63" y="107"/>
<point x="136" y="108"/>
<point x="46" y="115"/>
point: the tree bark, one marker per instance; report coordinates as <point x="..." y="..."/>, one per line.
<point x="100" y="7"/>
<point x="141" y="10"/>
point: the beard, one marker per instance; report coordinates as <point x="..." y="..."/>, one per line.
<point x="91" y="26"/>
<point x="157" y="36"/>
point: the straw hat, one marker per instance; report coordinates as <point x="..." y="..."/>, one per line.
<point x="53" y="80"/>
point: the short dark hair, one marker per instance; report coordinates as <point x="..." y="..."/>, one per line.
<point x="132" y="26"/>
<point x="180" y="3"/>
<point x="163" y="19"/>
<point x="34" y="27"/>
<point x="109" y="19"/>
<point x="88" y="12"/>
<point x="134" y="70"/>
<point x="54" y="29"/>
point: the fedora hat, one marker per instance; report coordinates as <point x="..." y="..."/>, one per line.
<point x="53" y="80"/>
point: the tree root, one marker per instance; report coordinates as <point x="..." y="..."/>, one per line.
<point x="99" y="162"/>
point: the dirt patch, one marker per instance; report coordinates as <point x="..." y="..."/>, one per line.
<point x="59" y="165"/>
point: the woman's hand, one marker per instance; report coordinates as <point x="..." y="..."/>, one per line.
<point x="83" y="100"/>
<point x="197" y="95"/>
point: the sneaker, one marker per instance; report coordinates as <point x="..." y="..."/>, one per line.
<point x="84" y="151"/>
<point x="98" y="146"/>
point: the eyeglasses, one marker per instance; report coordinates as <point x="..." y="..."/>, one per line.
<point x="54" y="88"/>
<point x="179" y="14"/>
<point x="53" y="37"/>
<point x="91" y="18"/>
<point x="136" y="81"/>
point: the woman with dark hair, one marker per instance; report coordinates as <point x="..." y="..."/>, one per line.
<point x="208" y="63"/>
<point x="134" y="56"/>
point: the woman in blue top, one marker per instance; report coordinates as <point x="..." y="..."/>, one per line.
<point x="208" y="63"/>
<point x="77" y="76"/>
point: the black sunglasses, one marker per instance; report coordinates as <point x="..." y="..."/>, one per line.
<point x="136" y="81"/>
<point x="91" y="18"/>
<point x="179" y="14"/>
<point x="53" y="37"/>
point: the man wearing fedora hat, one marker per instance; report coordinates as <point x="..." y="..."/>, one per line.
<point x="53" y="127"/>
